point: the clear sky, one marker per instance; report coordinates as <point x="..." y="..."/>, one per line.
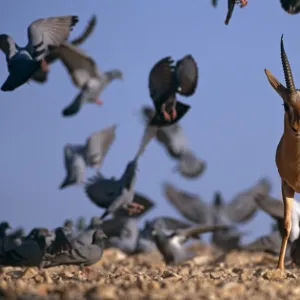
<point x="235" y="122"/>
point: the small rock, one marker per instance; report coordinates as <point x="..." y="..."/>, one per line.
<point x="275" y="275"/>
<point x="29" y="273"/>
<point x="168" y="274"/>
<point x="216" y="275"/>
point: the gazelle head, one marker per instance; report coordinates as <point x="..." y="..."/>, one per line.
<point x="289" y="94"/>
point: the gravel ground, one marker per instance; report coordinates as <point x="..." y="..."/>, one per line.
<point x="237" y="275"/>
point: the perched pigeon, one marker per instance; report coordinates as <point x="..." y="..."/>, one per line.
<point x="291" y="6"/>
<point x="112" y="194"/>
<point x="3" y="236"/>
<point x="30" y="252"/>
<point x="22" y="63"/>
<point x="80" y="224"/>
<point x="65" y="252"/>
<point x="85" y="75"/>
<point x="92" y="154"/>
<point x="68" y="228"/>
<point x="170" y="243"/>
<point x="165" y="80"/>
<point x="174" y="140"/>
<point x="231" y="5"/>
<point x="41" y="76"/>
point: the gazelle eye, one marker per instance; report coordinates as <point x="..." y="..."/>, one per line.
<point x="286" y="107"/>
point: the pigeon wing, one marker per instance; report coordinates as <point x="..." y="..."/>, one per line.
<point x="8" y="46"/>
<point x="161" y="80"/>
<point x="80" y="66"/>
<point x="188" y="205"/>
<point x="187" y="75"/>
<point x="49" y="32"/>
<point x="273" y="207"/>
<point x="98" y="145"/>
<point x="201" y="229"/>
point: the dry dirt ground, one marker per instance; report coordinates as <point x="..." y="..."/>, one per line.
<point x="237" y="275"/>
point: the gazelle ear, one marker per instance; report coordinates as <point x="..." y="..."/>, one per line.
<point x="277" y="86"/>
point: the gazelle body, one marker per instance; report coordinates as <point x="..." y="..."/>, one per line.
<point x="288" y="149"/>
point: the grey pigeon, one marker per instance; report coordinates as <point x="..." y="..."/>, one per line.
<point x="30" y="252"/>
<point x="41" y="76"/>
<point x="170" y="243"/>
<point x="80" y="225"/>
<point x="65" y="252"/>
<point x="167" y="79"/>
<point x="85" y="75"/>
<point x="23" y="62"/>
<point x="175" y="142"/>
<point x="291" y="6"/>
<point x="68" y="228"/>
<point x="240" y="210"/>
<point x="112" y="194"/>
<point x="4" y="226"/>
<point x="92" y="154"/>
<point x="229" y="238"/>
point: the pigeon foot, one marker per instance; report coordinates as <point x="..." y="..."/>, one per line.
<point x="44" y="66"/>
<point x="174" y="114"/>
<point x="166" y="116"/>
<point x="134" y="208"/>
<point x="243" y="3"/>
<point x="99" y="102"/>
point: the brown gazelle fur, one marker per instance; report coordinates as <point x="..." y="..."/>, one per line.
<point x="288" y="150"/>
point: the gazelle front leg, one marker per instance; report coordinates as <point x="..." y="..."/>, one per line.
<point x="288" y="197"/>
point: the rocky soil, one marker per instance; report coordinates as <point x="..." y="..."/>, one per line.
<point x="237" y="275"/>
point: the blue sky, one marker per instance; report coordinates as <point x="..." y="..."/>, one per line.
<point x="235" y="122"/>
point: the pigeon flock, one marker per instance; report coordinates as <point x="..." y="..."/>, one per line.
<point x="121" y="206"/>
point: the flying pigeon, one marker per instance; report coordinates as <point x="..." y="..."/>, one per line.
<point x="231" y="4"/>
<point x="173" y="139"/>
<point x="165" y="80"/>
<point x="240" y="210"/>
<point x="112" y="194"/>
<point x="30" y="252"/>
<point x="41" y="76"/>
<point x="23" y="62"/>
<point x="170" y="243"/>
<point x="85" y="75"/>
<point x="65" y="252"/>
<point x="92" y="154"/>
<point x="291" y="6"/>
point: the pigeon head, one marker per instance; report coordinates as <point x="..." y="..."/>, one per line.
<point x="114" y="74"/>
<point x="69" y="223"/>
<point x="3" y="227"/>
<point x="99" y="238"/>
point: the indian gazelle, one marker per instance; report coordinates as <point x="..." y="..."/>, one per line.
<point x="288" y="149"/>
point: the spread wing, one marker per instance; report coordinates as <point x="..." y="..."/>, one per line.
<point x="41" y="76"/>
<point x="87" y="31"/>
<point x="231" y="4"/>
<point x="149" y="134"/>
<point x="288" y="7"/>
<point x="161" y="79"/>
<point x="187" y="75"/>
<point x="80" y="66"/>
<point x="98" y="145"/>
<point x="8" y="46"/>
<point x="201" y="229"/>
<point x="188" y="205"/>
<point x="273" y="207"/>
<point x="47" y="32"/>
